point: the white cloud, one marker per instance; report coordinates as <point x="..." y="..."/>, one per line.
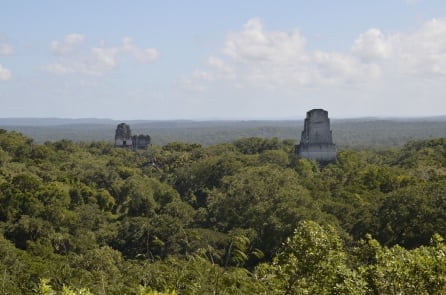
<point x="6" y="49"/>
<point x="68" y="45"/>
<point x="256" y="44"/>
<point x="96" y="60"/>
<point x="219" y="70"/>
<point x="262" y="58"/>
<point x="103" y="58"/>
<point x="258" y="57"/>
<point x="5" y="74"/>
<point x="143" y="55"/>
<point x="224" y="70"/>
<point x="58" y="68"/>
<point x="204" y="75"/>
<point x="372" y="45"/>
<point x="194" y="82"/>
<point x="336" y="68"/>
<point x="421" y="53"/>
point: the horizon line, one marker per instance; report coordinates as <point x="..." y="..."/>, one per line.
<point x="284" y="118"/>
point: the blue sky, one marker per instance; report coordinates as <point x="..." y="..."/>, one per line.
<point x="222" y="59"/>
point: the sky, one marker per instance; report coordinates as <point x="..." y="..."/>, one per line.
<point x="201" y="60"/>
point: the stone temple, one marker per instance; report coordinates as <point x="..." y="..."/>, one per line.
<point x="316" y="142"/>
<point x="124" y="138"/>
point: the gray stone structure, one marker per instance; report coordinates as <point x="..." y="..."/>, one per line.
<point x="124" y="138"/>
<point x="316" y="140"/>
<point x="140" y="142"/>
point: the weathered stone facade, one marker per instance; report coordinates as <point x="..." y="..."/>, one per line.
<point x="316" y="140"/>
<point x="140" y="142"/>
<point x="124" y="138"/>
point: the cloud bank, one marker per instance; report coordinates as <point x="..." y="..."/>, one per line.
<point x="258" y="57"/>
<point x="5" y="74"/>
<point x="72" y="55"/>
<point x="5" y="50"/>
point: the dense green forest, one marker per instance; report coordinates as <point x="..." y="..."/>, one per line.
<point x="245" y="217"/>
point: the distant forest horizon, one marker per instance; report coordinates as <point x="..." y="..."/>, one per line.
<point x="54" y="120"/>
<point x="356" y="133"/>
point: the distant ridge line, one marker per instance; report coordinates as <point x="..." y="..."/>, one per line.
<point x="53" y="121"/>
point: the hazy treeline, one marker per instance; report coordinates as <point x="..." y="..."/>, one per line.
<point x="352" y="133"/>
